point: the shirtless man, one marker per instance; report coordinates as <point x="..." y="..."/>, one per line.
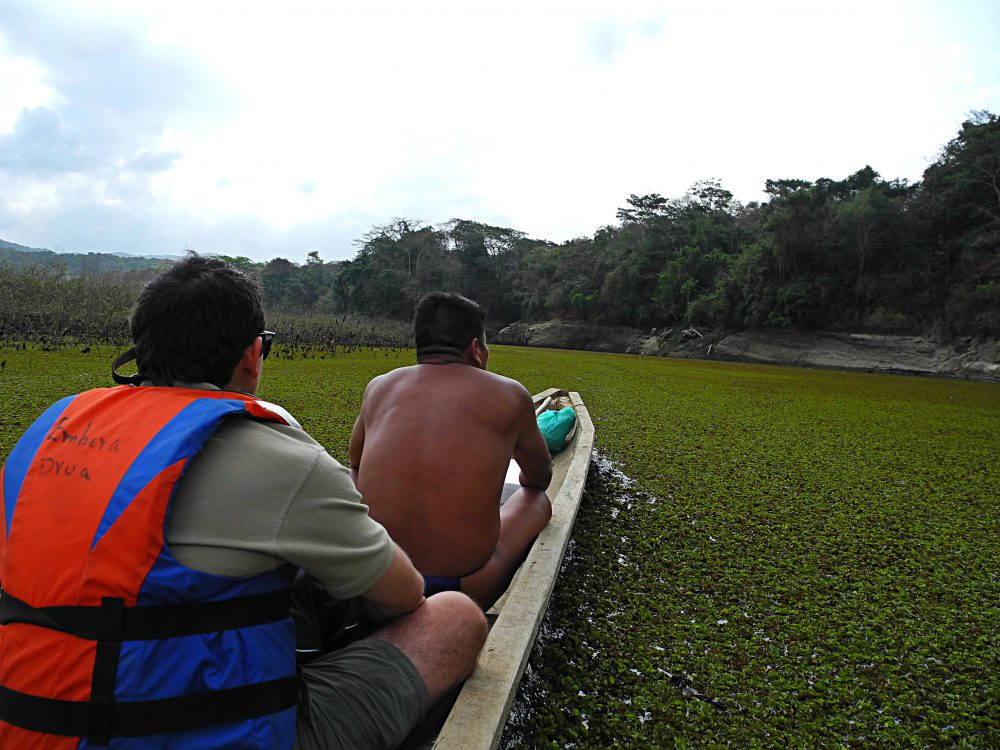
<point x="430" y="450"/>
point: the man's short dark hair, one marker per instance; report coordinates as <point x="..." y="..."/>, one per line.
<point x="445" y="323"/>
<point x="193" y="322"/>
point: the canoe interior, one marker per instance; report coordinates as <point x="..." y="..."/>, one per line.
<point x="480" y="711"/>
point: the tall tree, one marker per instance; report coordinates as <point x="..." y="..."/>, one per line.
<point x="961" y="191"/>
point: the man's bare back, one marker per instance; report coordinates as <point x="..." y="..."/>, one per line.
<point x="430" y="450"/>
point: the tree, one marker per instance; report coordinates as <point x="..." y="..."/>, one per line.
<point x="797" y="214"/>
<point x="690" y="274"/>
<point x="242" y="262"/>
<point x="961" y="196"/>
<point x="488" y="257"/>
<point x="283" y="287"/>
<point x="965" y="180"/>
<point x="645" y="209"/>
<point x="710" y="195"/>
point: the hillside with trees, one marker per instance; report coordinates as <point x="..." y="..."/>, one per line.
<point x="860" y="253"/>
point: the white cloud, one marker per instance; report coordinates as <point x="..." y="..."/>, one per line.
<point x="23" y="84"/>
<point x="257" y="130"/>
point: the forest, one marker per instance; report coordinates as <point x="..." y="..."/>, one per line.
<point x="861" y="253"/>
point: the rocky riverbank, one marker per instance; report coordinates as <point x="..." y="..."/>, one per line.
<point x="915" y="355"/>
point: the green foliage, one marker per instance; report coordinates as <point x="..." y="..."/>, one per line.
<point x="244" y="263"/>
<point x="961" y="196"/>
<point x="963" y="186"/>
<point x="43" y="304"/>
<point x="814" y="551"/>
<point x="799" y="558"/>
<point x="804" y="303"/>
<point x="322" y="336"/>
<point x="856" y="253"/>
<point x="691" y="274"/>
<point x="78" y="264"/>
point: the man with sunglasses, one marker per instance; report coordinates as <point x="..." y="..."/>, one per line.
<point x="151" y="533"/>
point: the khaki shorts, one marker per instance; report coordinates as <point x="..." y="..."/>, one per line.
<point x="367" y="695"/>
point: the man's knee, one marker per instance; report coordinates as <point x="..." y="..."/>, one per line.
<point x="449" y="619"/>
<point x="528" y="505"/>
<point x="545" y="506"/>
<point x="537" y="511"/>
<point x="442" y="639"/>
<point x="461" y="618"/>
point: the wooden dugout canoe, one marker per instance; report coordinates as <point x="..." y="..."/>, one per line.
<point x="478" y="717"/>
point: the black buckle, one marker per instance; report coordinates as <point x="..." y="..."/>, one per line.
<point x="124" y="358"/>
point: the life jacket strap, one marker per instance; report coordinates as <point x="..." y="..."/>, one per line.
<point x="105" y="674"/>
<point x="142" y="718"/>
<point x="151" y="623"/>
<point x="102" y="718"/>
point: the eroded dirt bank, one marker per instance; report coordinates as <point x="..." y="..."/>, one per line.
<point x="847" y="351"/>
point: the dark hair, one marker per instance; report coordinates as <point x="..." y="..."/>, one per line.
<point x="446" y="323"/>
<point x="193" y="322"/>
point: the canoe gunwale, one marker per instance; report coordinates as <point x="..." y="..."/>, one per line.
<point x="480" y="712"/>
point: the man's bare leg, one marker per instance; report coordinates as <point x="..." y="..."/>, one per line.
<point x="442" y="638"/>
<point x="522" y="517"/>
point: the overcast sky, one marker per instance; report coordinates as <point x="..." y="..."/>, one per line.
<point x="267" y="129"/>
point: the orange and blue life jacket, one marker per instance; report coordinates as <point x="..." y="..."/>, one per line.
<point x="105" y="638"/>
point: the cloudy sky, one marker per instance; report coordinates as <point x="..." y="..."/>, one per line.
<point x="267" y="129"/>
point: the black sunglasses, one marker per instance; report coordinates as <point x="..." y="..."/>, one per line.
<point x="266" y="337"/>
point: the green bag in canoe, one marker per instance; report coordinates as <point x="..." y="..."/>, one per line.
<point x="555" y="425"/>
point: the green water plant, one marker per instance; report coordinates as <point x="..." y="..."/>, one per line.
<point x="765" y="558"/>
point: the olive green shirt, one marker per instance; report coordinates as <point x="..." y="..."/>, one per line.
<point x="260" y="495"/>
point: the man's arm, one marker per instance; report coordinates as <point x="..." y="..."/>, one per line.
<point x="530" y="451"/>
<point x="398" y="591"/>
<point x="357" y="445"/>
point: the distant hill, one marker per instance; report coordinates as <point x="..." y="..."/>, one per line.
<point x="79" y="264"/>
<point x="20" y="248"/>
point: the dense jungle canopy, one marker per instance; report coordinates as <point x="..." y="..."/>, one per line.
<point x="859" y="253"/>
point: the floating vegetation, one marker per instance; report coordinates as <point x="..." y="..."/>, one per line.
<point x="774" y="557"/>
<point x="765" y="557"/>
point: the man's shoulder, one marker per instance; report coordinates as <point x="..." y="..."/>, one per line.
<point x="260" y="437"/>
<point x="490" y="384"/>
<point x="400" y="374"/>
<point x="504" y="398"/>
<point x="434" y="381"/>
<point x="502" y="382"/>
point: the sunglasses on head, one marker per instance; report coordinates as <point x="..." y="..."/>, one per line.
<point x="266" y="337"/>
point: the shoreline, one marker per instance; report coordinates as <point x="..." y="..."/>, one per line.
<point x="867" y="352"/>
